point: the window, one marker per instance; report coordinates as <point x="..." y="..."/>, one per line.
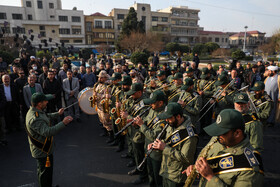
<point x="226" y="40"/>
<point x="99" y="35"/>
<point x="154" y="18"/>
<point x="42" y="27"/>
<point x="6" y="29"/>
<point x="64" y="31"/>
<point x="164" y="19"/>
<point x="119" y="27"/>
<point x="43" y="33"/>
<point x="120" y="16"/>
<point x="17" y="16"/>
<point x="89" y="39"/>
<point x="88" y="26"/>
<point x="3" y="15"/>
<point x="63" y="18"/>
<point x="28" y="4"/>
<point x="217" y="39"/>
<point x="78" y="41"/>
<point x="98" y="24"/>
<point x="76" y="19"/>
<point x="108" y="24"/>
<point x="52" y="16"/>
<point x="51" y="5"/>
<point x="64" y="41"/>
<point x="19" y="30"/>
<point x="29" y="17"/>
<point x="223" y="40"/>
<point x="76" y="31"/>
<point x="110" y="35"/>
<point x="40" y="4"/>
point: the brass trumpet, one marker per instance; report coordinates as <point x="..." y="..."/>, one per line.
<point x="92" y="99"/>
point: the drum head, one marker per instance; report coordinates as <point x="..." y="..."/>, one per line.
<point x="84" y="103"/>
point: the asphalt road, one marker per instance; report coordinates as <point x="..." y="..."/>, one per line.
<point x="82" y="159"/>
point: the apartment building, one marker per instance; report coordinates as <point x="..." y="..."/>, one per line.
<point x="44" y="21"/>
<point x="221" y="38"/>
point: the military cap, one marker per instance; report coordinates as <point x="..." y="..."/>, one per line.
<point x="152" y="69"/>
<point x="189" y="70"/>
<point x="103" y="73"/>
<point x="39" y="97"/>
<point x="172" y="109"/>
<point x="227" y="120"/>
<point x="258" y="86"/>
<point x="204" y="73"/>
<point x="161" y="73"/>
<point x="187" y="83"/>
<point x="116" y="76"/>
<point x="133" y="71"/>
<point x="222" y="79"/>
<point x="154" y="97"/>
<point x="126" y="80"/>
<point x="241" y="98"/>
<point x="135" y="88"/>
<point x="177" y="76"/>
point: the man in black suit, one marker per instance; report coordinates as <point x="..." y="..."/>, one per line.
<point x="3" y="140"/>
<point x="11" y="113"/>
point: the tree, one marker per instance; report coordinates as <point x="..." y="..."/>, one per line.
<point x="103" y="48"/>
<point x="221" y="53"/>
<point x="41" y="54"/>
<point x="172" y="47"/>
<point x="137" y="57"/>
<point x="200" y="49"/>
<point x="184" y="48"/>
<point x="85" y="52"/>
<point x="7" y="57"/>
<point x="138" y="42"/>
<point x="211" y="46"/>
<point x="238" y="55"/>
<point x="130" y="23"/>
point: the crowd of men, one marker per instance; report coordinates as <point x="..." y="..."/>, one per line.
<point x="158" y="111"/>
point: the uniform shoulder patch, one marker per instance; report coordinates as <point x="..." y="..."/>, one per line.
<point x="190" y="131"/>
<point x="253" y="161"/>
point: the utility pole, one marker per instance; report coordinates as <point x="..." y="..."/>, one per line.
<point x="245" y="37"/>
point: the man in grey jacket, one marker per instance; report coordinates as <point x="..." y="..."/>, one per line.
<point x="30" y="89"/>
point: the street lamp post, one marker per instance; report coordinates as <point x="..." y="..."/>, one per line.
<point x="244" y="44"/>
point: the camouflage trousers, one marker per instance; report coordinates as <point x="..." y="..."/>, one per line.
<point x="105" y="119"/>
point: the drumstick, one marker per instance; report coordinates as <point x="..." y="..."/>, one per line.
<point x="71" y="105"/>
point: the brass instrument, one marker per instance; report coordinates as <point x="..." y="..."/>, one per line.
<point x="92" y="99"/>
<point x="121" y="122"/>
<point x="194" y="172"/>
<point x="106" y="102"/>
<point x="116" y="111"/>
<point x="163" y="86"/>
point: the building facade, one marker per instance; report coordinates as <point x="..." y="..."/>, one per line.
<point x="221" y="38"/>
<point x="99" y="29"/>
<point x="176" y="24"/>
<point x="44" y="21"/>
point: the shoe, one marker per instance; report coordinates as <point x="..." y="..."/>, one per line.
<point x="78" y="120"/>
<point x="139" y="181"/>
<point x="114" y="143"/>
<point x="4" y="142"/>
<point x="130" y="164"/>
<point x="134" y="172"/>
<point x="125" y="155"/>
<point x="120" y="149"/>
<point x="111" y="137"/>
<point x="104" y="132"/>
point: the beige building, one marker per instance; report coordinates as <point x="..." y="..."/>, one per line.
<point x="221" y="38"/>
<point x="43" y="20"/>
<point x="179" y="24"/>
<point x="99" y="29"/>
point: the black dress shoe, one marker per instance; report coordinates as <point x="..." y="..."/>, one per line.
<point x="130" y="164"/>
<point x="134" y="172"/>
<point x="120" y="149"/>
<point x="125" y="155"/>
<point x="139" y="181"/>
<point x="114" y="143"/>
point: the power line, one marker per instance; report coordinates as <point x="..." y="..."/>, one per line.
<point x="236" y="10"/>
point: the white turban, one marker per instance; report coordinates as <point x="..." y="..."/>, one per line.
<point x="272" y="68"/>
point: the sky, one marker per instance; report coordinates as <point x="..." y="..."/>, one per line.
<point x="215" y="15"/>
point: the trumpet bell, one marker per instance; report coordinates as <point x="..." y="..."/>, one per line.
<point x="118" y="121"/>
<point x="113" y="110"/>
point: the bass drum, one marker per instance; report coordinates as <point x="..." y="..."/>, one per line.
<point x="84" y="102"/>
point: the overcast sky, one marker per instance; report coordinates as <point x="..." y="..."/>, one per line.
<point x="215" y="15"/>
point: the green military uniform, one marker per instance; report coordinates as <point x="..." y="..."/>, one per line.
<point x="173" y="72"/>
<point x="223" y="102"/>
<point x="253" y="126"/>
<point x="237" y="165"/>
<point x="180" y="148"/>
<point x="40" y="137"/>
<point x="264" y="104"/>
<point x="174" y="90"/>
<point x="206" y="84"/>
<point x="151" y="128"/>
<point x="134" y="108"/>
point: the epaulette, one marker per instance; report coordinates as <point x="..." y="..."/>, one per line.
<point x="253" y="161"/>
<point x="190" y="131"/>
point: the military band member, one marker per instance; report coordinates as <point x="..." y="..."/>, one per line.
<point x="40" y="135"/>
<point x="253" y="126"/>
<point x="173" y="72"/>
<point x="151" y="126"/>
<point x="262" y="101"/>
<point x="205" y="88"/>
<point x="174" y="89"/>
<point x="178" y="148"/>
<point x="190" y="100"/>
<point x="102" y="97"/>
<point x="230" y="161"/>
<point x="151" y="75"/>
<point x="226" y="98"/>
<point x="136" y="76"/>
<point x="134" y="107"/>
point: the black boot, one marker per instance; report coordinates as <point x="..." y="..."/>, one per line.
<point x="111" y="137"/>
<point x="104" y="132"/>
